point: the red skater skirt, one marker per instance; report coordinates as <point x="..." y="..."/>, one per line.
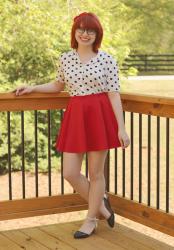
<point x="88" y="124"/>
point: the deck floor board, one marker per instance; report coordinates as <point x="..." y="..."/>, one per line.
<point x="60" y="236"/>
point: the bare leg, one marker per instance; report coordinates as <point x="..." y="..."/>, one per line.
<point x="71" y="170"/>
<point x="97" y="187"/>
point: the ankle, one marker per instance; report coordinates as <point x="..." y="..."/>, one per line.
<point x="91" y="218"/>
<point x="104" y="211"/>
<point x="105" y="195"/>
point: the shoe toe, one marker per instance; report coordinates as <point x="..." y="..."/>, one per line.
<point x="111" y="220"/>
<point x="79" y="234"/>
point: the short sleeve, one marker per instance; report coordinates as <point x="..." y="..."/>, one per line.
<point x="112" y="75"/>
<point x="60" y="75"/>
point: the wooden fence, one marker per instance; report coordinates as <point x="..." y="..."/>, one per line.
<point x="150" y="63"/>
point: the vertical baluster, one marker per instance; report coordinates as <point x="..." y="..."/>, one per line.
<point x="36" y="152"/>
<point x="107" y="171"/>
<point x="61" y="155"/>
<point x="49" y="151"/>
<point x="132" y="159"/>
<point x="23" y="154"/>
<point x="149" y="159"/>
<point x="140" y="158"/>
<point x="158" y="163"/>
<point x="86" y="163"/>
<point x="116" y="170"/>
<point x="123" y="172"/>
<point x="9" y="155"/>
<point x="167" y="165"/>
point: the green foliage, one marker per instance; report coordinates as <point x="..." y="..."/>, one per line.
<point x="34" y="33"/>
<point x="29" y="139"/>
<point x="32" y="37"/>
<point x="154" y="29"/>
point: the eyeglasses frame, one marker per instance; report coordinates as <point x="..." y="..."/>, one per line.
<point x="79" y="30"/>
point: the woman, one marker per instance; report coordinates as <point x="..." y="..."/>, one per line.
<point x="93" y="120"/>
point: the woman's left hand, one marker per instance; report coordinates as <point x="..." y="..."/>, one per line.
<point x="124" y="138"/>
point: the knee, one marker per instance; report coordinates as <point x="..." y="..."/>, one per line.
<point x="96" y="176"/>
<point x="70" y="175"/>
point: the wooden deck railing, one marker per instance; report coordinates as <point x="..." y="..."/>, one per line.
<point x="140" y="185"/>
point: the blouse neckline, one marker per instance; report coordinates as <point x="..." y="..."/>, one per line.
<point x="93" y="59"/>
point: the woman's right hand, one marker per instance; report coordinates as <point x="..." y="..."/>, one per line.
<point x="21" y="90"/>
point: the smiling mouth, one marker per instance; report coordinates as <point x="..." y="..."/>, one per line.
<point x="84" y="39"/>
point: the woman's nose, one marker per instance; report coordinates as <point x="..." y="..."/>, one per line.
<point x="85" y="33"/>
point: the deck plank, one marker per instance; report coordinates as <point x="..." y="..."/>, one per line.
<point x="142" y="238"/>
<point x="118" y="238"/>
<point x="23" y="240"/>
<point x="60" y="236"/>
<point x="44" y="238"/>
<point x="65" y="233"/>
<point x="7" y="244"/>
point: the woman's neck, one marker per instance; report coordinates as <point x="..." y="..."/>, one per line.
<point x="85" y="50"/>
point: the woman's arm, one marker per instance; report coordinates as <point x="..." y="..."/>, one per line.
<point x="51" y="87"/>
<point x="115" y="100"/>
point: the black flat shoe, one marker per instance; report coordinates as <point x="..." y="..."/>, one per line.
<point x="111" y="219"/>
<point x="80" y="234"/>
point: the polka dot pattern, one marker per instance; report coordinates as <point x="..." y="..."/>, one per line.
<point x="99" y="74"/>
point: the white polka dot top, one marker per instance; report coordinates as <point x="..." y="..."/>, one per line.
<point x="99" y="74"/>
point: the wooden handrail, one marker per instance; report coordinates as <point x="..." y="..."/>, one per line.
<point x="138" y="103"/>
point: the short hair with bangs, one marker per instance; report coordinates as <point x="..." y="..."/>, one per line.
<point x="87" y="20"/>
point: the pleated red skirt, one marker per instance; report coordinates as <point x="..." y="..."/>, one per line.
<point x="88" y="124"/>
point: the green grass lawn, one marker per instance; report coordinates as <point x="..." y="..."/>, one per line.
<point x="149" y="87"/>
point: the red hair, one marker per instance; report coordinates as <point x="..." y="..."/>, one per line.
<point x="88" y="21"/>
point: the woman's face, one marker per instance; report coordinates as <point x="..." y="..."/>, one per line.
<point x="85" y="37"/>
